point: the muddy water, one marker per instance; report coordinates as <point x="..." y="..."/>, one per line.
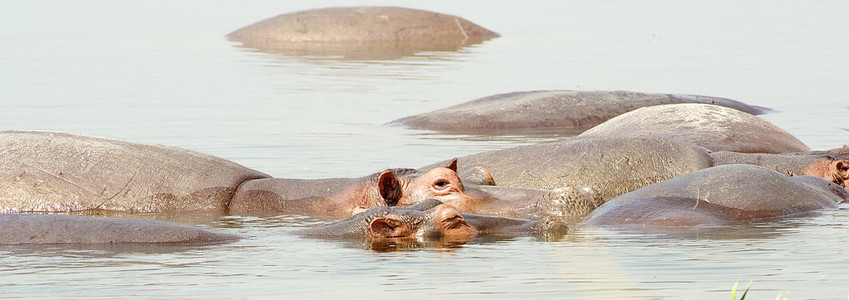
<point x="162" y="72"/>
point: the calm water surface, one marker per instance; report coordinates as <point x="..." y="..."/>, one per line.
<point x="162" y="72"/>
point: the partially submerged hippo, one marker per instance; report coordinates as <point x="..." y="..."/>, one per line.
<point x="345" y="196"/>
<point x="720" y="195"/>
<point x="44" y="171"/>
<point x="550" y="109"/>
<point x="831" y="167"/>
<point x="427" y="219"/>
<point x="612" y="166"/>
<point x="713" y="127"/>
<point x="357" y="30"/>
<point x="18" y="229"/>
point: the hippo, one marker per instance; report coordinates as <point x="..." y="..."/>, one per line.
<point x="42" y="171"/>
<point x="714" y="127"/>
<point x="427" y="219"/>
<point x="720" y="195"/>
<point x="346" y="196"/>
<point x="559" y="109"/>
<point x="333" y="197"/>
<point x="361" y="30"/>
<point x="833" y="168"/>
<point x="18" y="229"/>
<point x="611" y="166"/>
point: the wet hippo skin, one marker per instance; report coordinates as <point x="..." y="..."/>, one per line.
<point x="17" y="229"/>
<point x="713" y="127"/>
<point x="720" y="195"/>
<point x="549" y="109"/>
<point x="369" y="32"/>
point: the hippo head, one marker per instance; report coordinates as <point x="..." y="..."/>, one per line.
<point x="427" y="219"/>
<point x="440" y="183"/>
<point x="839" y="170"/>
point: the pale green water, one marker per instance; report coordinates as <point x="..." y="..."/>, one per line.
<point x="162" y="72"/>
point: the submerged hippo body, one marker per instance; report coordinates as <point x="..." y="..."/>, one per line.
<point x="720" y="195"/>
<point x="833" y="168"/>
<point x="612" y="166"/>
<point x="406" y="187"/>
<point x="713" y="127"/>
<point x="345" y="196"/>
<point x="52" y="171"/>
<point x="17" y="229"/>
<point x="427" y="219"/>
<point x="363" y="29"/>
<point x="549" y="109"/>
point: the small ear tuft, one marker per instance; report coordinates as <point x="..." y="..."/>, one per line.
<point x="385" y="227"/>
<point x="390" y="188"/>
<point x="452" y="165"/>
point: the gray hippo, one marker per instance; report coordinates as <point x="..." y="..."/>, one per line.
<point x="427" y="219"/>
<point x="273" y="196"/>
<point x="44" y="171"/>
<point x="713" y="127"/>
<point x="611" y="166"/>
<point x="17" y="229"/>
<point x="720" y="195"/>
<point x="360" y="30"/>
<point x="831" y="165"/>
<point x="578" y="110"/>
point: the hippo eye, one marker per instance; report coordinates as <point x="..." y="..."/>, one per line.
<point x="441" y="184"/>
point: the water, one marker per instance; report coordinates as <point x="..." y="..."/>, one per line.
<point x="162" y="72"/>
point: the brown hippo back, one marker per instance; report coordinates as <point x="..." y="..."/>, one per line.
<point x="612" y="166"/>
<point x="350" y="30"/>
<point x="719" y="195"/>
<point x="17" y="229"/>
<point x="713" y="127"/>
<point x="53" y="171"/>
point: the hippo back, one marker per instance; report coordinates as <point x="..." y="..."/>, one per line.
<point x="52" y="171"/>
<point x="348" y="31"/>
<point x="19" y="229"/>
<point x="612" y="166"/>
<point x="713" y="127"/>
<point x="719" y="195"/>
<point x="549" y="109"/>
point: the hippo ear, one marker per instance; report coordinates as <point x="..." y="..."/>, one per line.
<point x="452" y="165"/>
<point x="480" y="176"/>
<point x="841" y="165"/>
<point x="388" y="227"/>
<point x="389" y="187"/>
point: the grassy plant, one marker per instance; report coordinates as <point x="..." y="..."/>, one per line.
<point x="734" y="291"/>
